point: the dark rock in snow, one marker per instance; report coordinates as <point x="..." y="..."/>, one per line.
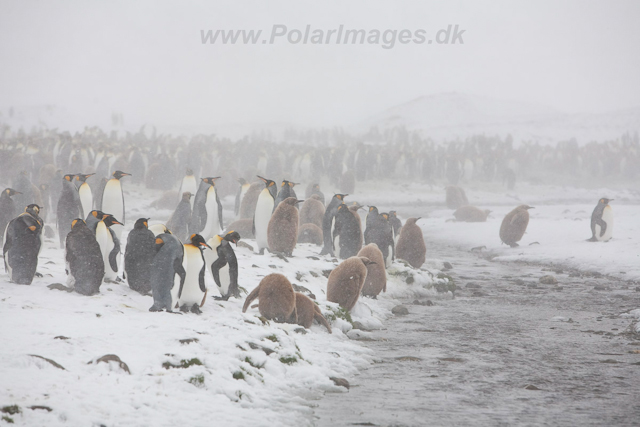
<point x="400" y="310"/>
<point x="340" y="382"/>
<point x="52" y="362"/>
<point x="472" y="285"/>
<point x="188" y="340"/>
<point x="59" y="287"/>
<point x="548" y="280"/>
<point x="112" y="358"/>
<point x="447" y="265"/>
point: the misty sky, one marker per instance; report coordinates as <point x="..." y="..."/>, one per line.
<point x="146" y="59"/>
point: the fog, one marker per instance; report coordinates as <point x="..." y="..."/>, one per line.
<point x="147" y="60"/>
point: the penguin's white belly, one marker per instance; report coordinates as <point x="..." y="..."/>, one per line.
<point x="242" y="194"/>
<point x="176" y="284"/>
<point x="106" y="246"/>
<point x="113" y="203"/>
<point x="264" y="208"/>
<point x="389" y="259"/>
<point x="189" y="184"/>
<point x="158" y="229"/>
<point x="191" y="293"/>
<point x="607" y="217"/>
<point x="336" y="246"/>
<point x="86" y="198"/>
<point x="212" y="226"/>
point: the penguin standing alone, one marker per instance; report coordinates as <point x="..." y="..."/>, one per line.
<point x="167" y="273"/>
<point x="328" y="223"/>
<point x="276" y="299"/>
<point x="138" y="256"/>
<point x="192" y="295"/>
<point x="113" y="200"/>
<point x="84" y="263"/>
<point x="262" y="216"/>
<point x="7" y="209"/>
<point x="282" y="231"/>
<point x="84" y="191"/>
<point x="223" y="264"/>
<point x="21" y="245"/>
<point x="602" y="221"/>
<point x="411" y="246"/>
<point x="514" y="225"/>
<point x="69" y="207"/>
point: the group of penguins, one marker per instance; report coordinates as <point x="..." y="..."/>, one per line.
<point x="169" y="261"/>
<point x="515" y="223"/>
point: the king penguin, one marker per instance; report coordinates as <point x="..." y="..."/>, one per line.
<point x="189" y="184"/>
<point x="244" y="186"/>
<point x="347" y="233"/>
<point x="192" y="295"/>
<point x="113" y="200"/>
<point x="514" y="225"/>
<point x="21" y="245"/>
<point x="602" y="221"/>
<point x="262" y="216"/>
<point x="84" y="264"/>
<point x="109" y="247"/>
<point x="286" y="191"/>
<point x="167" y="273"/>
<point x="69" y="207"/>
<point x="7" y="209"/>
<point x="222" y="262"/>
<point x="92" y="220"/>
<point x="178" y="223"/>
<point x="138" y="256"/>
<point x="84" y="191"/>
<point x="328" y="223"/>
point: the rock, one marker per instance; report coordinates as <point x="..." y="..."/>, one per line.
<point x="519" y="282"/>
<point x="315" y="258"/>
<point x="472" y="285"/>
<point x="532" y="286"/>
<point x="447" y="266"/>
<point x="408" y="359"/>
<point x="245" y="245"/>
<point x="60" y="337"/>
<point x="479" y="294"/>
<point x="44" y="408"/>
<point x="302" y="331"/>
<point x="531" y="387"/>
<point x="326" y="273"/>
<point x="112" y="358"/>
<point x="359" y="325"/>
<point x="400" y="310"/>
<point x="600" y="288"/>
<point x="340" y="382"/>
<point x="52" y="362"/>
<point x="188" y="340"/>
<point x="59" y="287"/>
<point x="637" y="288"/>
<point x="548" y="280"/>
<point x="303" y="290"/>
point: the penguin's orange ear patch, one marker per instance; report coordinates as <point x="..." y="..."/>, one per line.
<point x="385" y="216"/>
<point x="271" y="184"/>
<point x="68" y="178"/>
<point x="73" y="223"/>
<point x="601" y="200"/>
<point x="33" y="228"/>
<point x="282" y="185"/>
<point x="159" y="241"/>
<point x="95" y="214"/>
<point x="145" y="224"/>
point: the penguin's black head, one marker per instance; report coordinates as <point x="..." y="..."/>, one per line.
<point x="233" y="237"/>
<point x="340" y="196"/>
<point x="211" y="180"/>
<point x="373" y="209"/>
<point x="392" y="213"/>
<point x="342" y="207"/>
<point x="82" y="177"/>
<point x="267" y="182"/>
<point x="11" y="192"/>
<point x="120" y="174"/>
<point x="33" y="209"/>
<point x="110" y="220"/>
<point x="69" y="177"/>
<point x="189" y="172"/>
<point x="141" y="223"/>
<point x="605" y="201"/>
<point x="198" y="241"/>
<point x="385" y="215"/>
<point x="78" y="222"/>
<point x="97" y="214"/>
<point x="285" y="182"/>
<point x="186" y="195"/>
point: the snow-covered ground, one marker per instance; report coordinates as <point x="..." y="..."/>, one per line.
<point x="242" y="372"/>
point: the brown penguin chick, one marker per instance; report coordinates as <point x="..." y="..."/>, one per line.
<point x="411" y="247"/>
<point x="312" y="211"/>
<point x="282" y="232"/>
<point x="310" y="233"/>
<point x="456" y="197"/>
<point x="277" y="300"/>
<point x="243" y="226"/>
<point x="514" y="225"/>
<point x="250" y="200"/>
<point x="307" y="310"/>
<point x="376" y="280"/>
<point x="471" y="214"/>
<point x="346" y="280"/>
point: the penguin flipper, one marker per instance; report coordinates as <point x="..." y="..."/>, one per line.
<point x="603" y="226"/>
<point x="179" y="269"/>
<point x="219" y="211"/>
<point x="203" y="288"/>
<point x="215" y="269"/>
<point x="253" y="295"/>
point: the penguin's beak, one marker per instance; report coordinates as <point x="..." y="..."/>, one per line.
<point x="204" y="244"/>
<point x="115" y="221"/>
<point x="299" y="201"/>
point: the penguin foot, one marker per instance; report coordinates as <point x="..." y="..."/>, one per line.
<point x="196" y="309"/>
<point x="184" y="308"/>
<point x="261" y="251"/>
<point x="217" y="298"/>
<point x="38" y="274"/>
<point x="119" y="280"/>
<point x="514" y="245"/>
<point x="592" y="239"/>
<point x="155" y="308"/>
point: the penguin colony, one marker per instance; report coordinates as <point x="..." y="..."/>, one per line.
<point x="169" y="261"/>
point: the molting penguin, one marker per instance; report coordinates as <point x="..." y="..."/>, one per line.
<point x="286" y="191"/>
<point x="262" y="216"/>
<point x="310" y="233"/>
<point x="411" y="246"/>
<point x="376" y="280"/>
<point x="84" y="264"/>
<point x="7" y="209"/>
<point x="109" y="247"/>
<point x="69" y="207"/>
<point x="471" y="214"/>
<point x="314" y="189"/>
<point x="514" y="225"/>
<point x="456" y="197"/>
<point x="189" y="184"/>
<point x="307" y="311"/>
<point x="277" y="300"/>
<point x="328" y="223"/>
<point x="244" y="187"/>
<point x="167" y="273"/>
<point x="84" y="191"/>
<point x="282" y="231"/>
<point x="347" y="234"/>
<point x="346" y="281"/>
<point x="179" y="221"/>
<point x="21" y="245"/>
<point x="602" y="221"/>
<point x="138" y="256"/>
<point x="224" y="264"/>
<point x="312" y="211"/>
<point x="192" y="295"/>
<point x="113" y="200"/>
